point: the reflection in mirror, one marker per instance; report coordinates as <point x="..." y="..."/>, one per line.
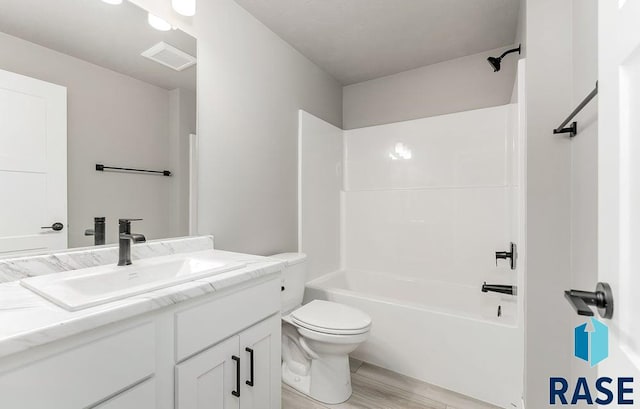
<point x="86" y="83"/>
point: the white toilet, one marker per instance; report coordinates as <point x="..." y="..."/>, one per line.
<point x="317" y="338"/>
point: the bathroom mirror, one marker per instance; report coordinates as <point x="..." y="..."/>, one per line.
<point x="86" y="86"/>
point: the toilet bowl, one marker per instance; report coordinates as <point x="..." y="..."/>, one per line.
<point x="316" y="352"/>
<point x="317" y="338"/>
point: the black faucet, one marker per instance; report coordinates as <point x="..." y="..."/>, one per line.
<point x="499" y="288"/>
<point x="125" y="239"/>
<point x="98" y="231"/>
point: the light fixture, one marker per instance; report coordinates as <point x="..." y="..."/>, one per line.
<point x="114" y="2"/>
<point x="184" y="7"/>
<point x="158" y="23"/>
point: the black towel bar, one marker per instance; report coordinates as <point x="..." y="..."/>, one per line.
<point x="572" y="129"/>
<point x="102" y="168"/>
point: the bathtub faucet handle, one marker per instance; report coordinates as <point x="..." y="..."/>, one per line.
<point x="512" y="255"/>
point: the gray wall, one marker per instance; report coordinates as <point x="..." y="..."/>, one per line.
<point x="548" y="317"/>
<point x="250" y="87"/>
<point x="452" y="86"/>
<point x="112" y="119"/>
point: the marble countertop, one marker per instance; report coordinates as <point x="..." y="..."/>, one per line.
<point x="28" y="320"/>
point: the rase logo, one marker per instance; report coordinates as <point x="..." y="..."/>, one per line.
<point x="591" y="344"/>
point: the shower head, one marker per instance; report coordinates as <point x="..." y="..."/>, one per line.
<point x="495" y="61"/>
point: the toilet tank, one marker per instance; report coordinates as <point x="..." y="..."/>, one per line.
<point x="294" y="277"/>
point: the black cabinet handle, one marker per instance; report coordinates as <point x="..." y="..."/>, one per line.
<point x="250" y="351"/>
<point x="236" y="393"/>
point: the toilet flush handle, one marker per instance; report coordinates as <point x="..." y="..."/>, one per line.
<point x="307" y="349"/>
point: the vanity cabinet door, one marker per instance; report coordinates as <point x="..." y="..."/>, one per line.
<point x="260" y="382"/>
<point x="209" y="379"/>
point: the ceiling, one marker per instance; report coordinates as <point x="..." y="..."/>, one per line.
<point x="359" y="40"/>
<point x="109" y="36"/>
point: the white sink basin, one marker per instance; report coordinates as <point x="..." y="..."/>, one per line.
<point x="88" y="287"/>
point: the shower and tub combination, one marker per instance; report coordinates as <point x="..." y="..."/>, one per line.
<point x="413" y="223"/>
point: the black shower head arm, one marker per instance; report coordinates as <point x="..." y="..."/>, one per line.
<point x="513" y="50"/>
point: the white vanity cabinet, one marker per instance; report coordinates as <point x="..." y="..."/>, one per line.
<point x="261" y="389"/>
<point x="208" y="379"/>
<point x="242" y="372"/>
<point x="142" y="396"/>
<point x="81" y="372"/>
<point x="191" y="354"/>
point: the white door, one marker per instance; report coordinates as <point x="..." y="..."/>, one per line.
<point x="33" y="164"/>
<point x="193" y="184"/>
<point x="210" y="379"/>
<point x="260" y="346"/>
<point x="619" y="181"/>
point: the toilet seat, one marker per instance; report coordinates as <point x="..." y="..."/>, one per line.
<point x="331" y="318"/>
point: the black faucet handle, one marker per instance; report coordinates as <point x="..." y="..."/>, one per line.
<point x="125" y="225"/>
<point x="512" y="255"/>
<point x="121" y="221"/>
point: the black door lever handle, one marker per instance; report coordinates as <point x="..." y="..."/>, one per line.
<point x="579" y="305"/>
<point x="57" y="226"/>
<point x="602" y="299"/>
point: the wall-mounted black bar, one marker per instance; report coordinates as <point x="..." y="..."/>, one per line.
<point x="572" y="129"/>
<point x="102" y="168"/>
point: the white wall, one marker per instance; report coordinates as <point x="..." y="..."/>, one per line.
<point x="548" y="316"/>
<point x="251" y="85"/>
<point x="457" y="85"/>
<point x="584" y="151"/>
<point x="320" y="185"/>
<point x="112" y="119"/>
<point x="440" y="214"/>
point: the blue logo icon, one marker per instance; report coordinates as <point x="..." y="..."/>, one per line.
<point x="591" y="345"/>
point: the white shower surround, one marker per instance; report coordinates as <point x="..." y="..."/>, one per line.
<point x="424" y="206"/>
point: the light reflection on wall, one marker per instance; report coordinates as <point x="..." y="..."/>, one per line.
<point x="400" y="152"/>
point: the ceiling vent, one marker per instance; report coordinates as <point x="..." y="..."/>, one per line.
<point x="169" y="56"/>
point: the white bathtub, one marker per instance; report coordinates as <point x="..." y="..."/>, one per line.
<point x="444" y="334"/>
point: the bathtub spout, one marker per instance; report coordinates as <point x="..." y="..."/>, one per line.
<point x="499" y="288"/>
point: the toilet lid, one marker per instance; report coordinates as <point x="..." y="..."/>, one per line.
<point x="331" y="318"/>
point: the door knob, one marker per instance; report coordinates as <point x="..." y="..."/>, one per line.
<point x="602" y="298"/>
<point x="55" y="226"/>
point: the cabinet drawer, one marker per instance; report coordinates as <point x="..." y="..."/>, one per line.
<point x="207" y="324"/>
<point x="84" y="375"/>
<point x="141" y="396"/>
